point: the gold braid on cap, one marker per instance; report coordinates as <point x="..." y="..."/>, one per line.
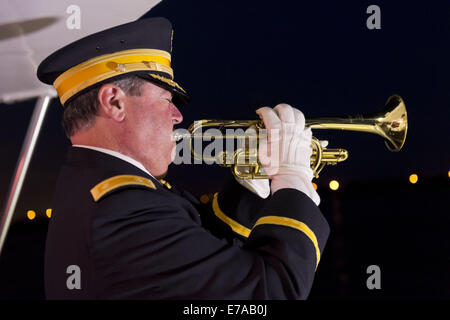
<point x="110" y="65"/>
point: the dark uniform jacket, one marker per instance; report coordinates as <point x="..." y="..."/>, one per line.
<point x="118" y="233"/>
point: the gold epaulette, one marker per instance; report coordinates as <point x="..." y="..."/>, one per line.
<point x="117" y="182"/>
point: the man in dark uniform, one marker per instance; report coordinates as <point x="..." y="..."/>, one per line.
<point x="120" y="232"/>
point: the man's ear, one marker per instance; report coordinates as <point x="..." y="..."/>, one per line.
<point x="112" y="101"/>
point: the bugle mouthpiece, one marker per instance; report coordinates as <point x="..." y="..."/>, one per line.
<point x="180" y="134"/>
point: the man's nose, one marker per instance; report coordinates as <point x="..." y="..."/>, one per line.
<point x="176" y="115"/>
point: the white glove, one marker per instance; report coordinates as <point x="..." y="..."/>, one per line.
<point x="261" y="187"/>
<point x="286" y="153"/>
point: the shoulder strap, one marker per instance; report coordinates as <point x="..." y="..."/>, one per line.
<point x="118" y="182"/>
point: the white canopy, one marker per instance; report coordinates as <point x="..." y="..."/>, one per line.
<point x="30" y="30"/>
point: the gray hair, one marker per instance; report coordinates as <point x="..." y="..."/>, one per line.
<point x="80" y="112"/>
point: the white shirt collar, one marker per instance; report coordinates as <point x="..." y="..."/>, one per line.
<point x="117" y="155"/>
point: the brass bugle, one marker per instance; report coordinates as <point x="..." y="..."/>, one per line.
<point x="390" y="123"/>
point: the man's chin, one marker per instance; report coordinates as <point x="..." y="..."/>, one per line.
<point x="162" y="176"/>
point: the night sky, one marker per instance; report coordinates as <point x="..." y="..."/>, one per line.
<point x="318" y="56"/>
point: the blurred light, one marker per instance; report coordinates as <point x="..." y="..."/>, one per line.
<point x="413" y="178"/>
<point x="334" y="185"/>
<point x="315" y="186"/>
<point x="31" y="214"/>
<point x="48" y="212"/>
<point x="204" y="198"/>
<point x="449" y="174"/>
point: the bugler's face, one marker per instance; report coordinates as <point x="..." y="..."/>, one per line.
<point x="150" y="122"/>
